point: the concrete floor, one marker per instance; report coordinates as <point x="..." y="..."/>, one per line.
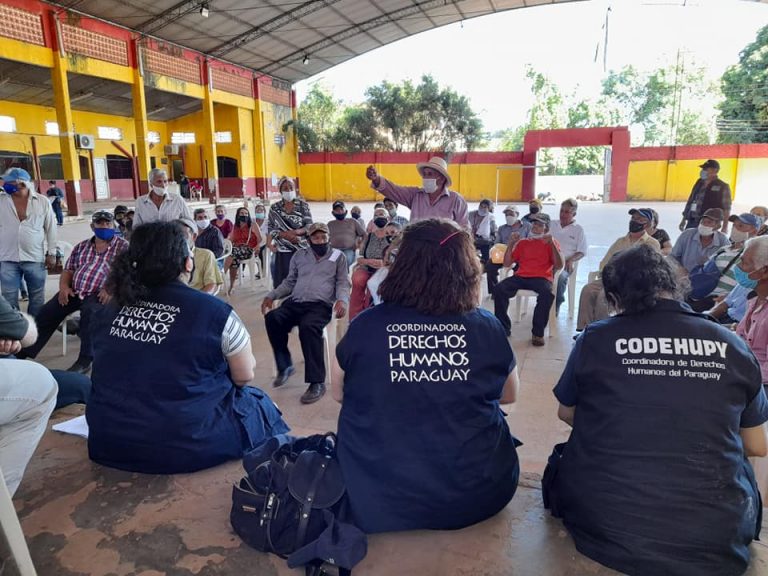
<point x="81" y="518"/>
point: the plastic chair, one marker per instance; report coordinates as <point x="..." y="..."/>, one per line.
<point x="9" y="522"/>
<point x="572" y="290"/>
<point x="521" y="303"/>
<point x="65" y="249"/>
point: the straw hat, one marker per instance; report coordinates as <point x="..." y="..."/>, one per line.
<point x="436" y="163"/>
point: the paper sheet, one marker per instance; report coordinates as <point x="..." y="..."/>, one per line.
<point x="77" y="426"/>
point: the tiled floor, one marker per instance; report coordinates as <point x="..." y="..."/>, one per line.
<point x="81" y="518"/>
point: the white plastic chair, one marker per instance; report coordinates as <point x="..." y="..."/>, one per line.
<point x="9" y="522"/>
<point x="521" y="304"/>
<point x="572" y="290"/>
<point x="326" y="342"/>
<point x="65" y="248"/>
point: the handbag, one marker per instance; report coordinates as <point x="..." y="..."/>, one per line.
<point x="291" y="503"/>
<point x="704" y="278"/>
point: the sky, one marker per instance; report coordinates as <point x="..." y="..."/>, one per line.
<point x="485" y="58"/>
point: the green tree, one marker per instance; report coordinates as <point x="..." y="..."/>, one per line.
<point x="318" y="117"/>
<point x="357" y="130"/>
<point x="744" y="109"/>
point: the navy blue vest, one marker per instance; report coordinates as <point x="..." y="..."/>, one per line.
<point x="163" y="400"/>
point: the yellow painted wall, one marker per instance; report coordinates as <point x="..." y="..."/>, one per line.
<point x="752" y="183"/>
<point x="279" y="162"/>
<point x="328" y="182"/>
<point x="671" y="181"/>
<point x="247" y="149"/>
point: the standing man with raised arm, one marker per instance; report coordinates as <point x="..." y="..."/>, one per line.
<point x="432" y="199"/>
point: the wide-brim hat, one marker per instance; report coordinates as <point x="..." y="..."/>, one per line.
<point x="436" y="163"/>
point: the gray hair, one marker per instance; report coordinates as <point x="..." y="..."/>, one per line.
<point x="759" y="247"/>
<point x="156" y="172"/>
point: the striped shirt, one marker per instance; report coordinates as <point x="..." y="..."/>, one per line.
<point x="91" y="268"/>
<point x="723" y="259"/>
<point x="282" y="221"/>
<point x="235" y="337"/>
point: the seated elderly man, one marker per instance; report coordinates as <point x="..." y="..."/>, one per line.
<point x="593" y="305"/>
<point x="208" y="237"/>
<point x="206" y="275"/>
<point x="695" y="245"/>
<point x="573" y="245"/>
<point x="391" y="207"/>
<point x="316" y="286"/>
<point x="81" y="287"/>
<point x="537" y="257"/>
<point x="484" y="229"/>
<point x="513" y="225"/>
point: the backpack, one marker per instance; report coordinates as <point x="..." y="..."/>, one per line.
<point x="291" y="502"/>
<point x="704" y="277"/>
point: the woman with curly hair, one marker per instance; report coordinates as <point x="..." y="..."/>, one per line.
<point x="245" y="239"/>
<point x="665" y="406"/>
<point x="180" y="400"/>
<point x="423" y="443"/>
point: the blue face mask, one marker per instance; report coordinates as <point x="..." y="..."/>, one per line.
<point x="104" y="233"/>
<point x="743" y="278"/>
<point x="10" y="187"/>
<point x="703" y="174"/>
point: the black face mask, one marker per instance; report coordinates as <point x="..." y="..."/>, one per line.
<point x="355" y="215"/>
<point x="320" y="249"/>
<point x="635" y="227"/>
<point x="534" y="209"/>
<point x="380" y="222"/>
<point x="243" y="219"/>
<point x="340" y="216"/>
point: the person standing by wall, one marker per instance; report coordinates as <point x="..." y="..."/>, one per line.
<point x="56" y="196"/>
<point x="708" y="192"/>
<point x="346" y="233"/>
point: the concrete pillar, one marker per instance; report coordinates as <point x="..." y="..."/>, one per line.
<point x="260" y="164"/>
<point x="140" y="122"/>
<point x="210" y="165"/>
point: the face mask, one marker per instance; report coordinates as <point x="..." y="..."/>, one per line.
<point x="380" y="222"/>
<point x="635" y="227"/>
<point x="482" y="212"/>
<point x="340" y="216"/>
<point x="534" y="236"/>
<point x="429" y="184"/>
<point x="203" y="224"/>
<point x="511" y="220"/>
<point x="160" y="190"/>
<point x="356" y="215"/>
<point x="242" y="219"/>
<point x="220" y="216"/>
<point x="534" y="209"/>
<point x="705" y="230"/>
<point x="289" y="196"/>
<point x="738" y="236"/>
<point x="320" y="249"/>
<point x="703" y="174"/>
<point x="10" y="187"/>
<point x="743" y="278"/>
<point x="260" y="215"/>
<point x="104" y="233"/>
<point x="392" y="212"/>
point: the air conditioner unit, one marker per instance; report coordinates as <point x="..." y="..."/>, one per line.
<point x="171" y="149"/>
<point x="85" y="141"/>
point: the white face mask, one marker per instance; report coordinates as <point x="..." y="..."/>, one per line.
<point x="203" y="224"/>
<point x="705" y="230"/>
<point x="429" y="185"/>
<point x="511" y="220"/>
<point x="289" y="195"/>
<point x="738" y="236"/>
<point x="160" y="190"/>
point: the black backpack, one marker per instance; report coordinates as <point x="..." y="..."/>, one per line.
<point x="291" y="502"/>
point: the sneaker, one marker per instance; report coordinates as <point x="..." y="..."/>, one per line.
<point x="537" y="340"/>
<point x="313" y="393"/>
<point x="80" y="366"/>
<point x="282" y="377"/>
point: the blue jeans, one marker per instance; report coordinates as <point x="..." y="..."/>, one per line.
<point x="33" y="273"/>
<point x="350" y="256"/>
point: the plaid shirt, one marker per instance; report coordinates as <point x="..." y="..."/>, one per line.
<point x="91" y="268"/>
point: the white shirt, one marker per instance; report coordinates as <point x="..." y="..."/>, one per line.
<point x="571" y="238"/>
<point x="26" y="241"/>
<point x="172" y="208"/>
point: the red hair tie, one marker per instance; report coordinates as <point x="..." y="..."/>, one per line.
<point x="444" y="240"/>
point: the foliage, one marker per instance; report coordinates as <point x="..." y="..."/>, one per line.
<point x="744" y="109"/>
<point x="318" y="115"/>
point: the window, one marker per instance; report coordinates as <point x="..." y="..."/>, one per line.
<point x="223" y="137"/>
<point x="7" y="124"/>
<point x="11" y="159"/>
<point x="110" y="133"/>
<point x="85" y="167"/>
<point x="182" y="138"/>
<point x="52" y="128"/>
<point x="50" y="167"/>
<point x="119" y="167"/>
<point x="227" y="167"/>
<point x="153" y="137"/>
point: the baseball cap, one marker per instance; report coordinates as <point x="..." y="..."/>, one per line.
<point x="646" y="213"/>
<point x="15" y="174"/>
<point x="543" y="218"/>
<point x="714" y="213"/>
<point x="102" y="216"/>
<point x="120" y="209"/>
<point x="747" y="218"/>
<point x="317" y="227"/>
<point x="511" y="209"/>
<point x="710" y="164"/>
<point x="338" y="204"/>
<point x="535" y="201"/>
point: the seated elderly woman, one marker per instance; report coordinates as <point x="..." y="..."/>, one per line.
<point x="370" y="260"/>
<point x="423" y="443"/>
<point x="182" y="403"/>
<point x="665" y="406"/>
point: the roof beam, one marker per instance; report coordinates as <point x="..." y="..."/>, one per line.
<point x="387" y="18"/>
<point x="169" y="16"/>
<point x="270" y="26"/>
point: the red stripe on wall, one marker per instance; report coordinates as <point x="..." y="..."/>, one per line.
<point x="716" y="151"/>
<point x="408" y="158"/>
